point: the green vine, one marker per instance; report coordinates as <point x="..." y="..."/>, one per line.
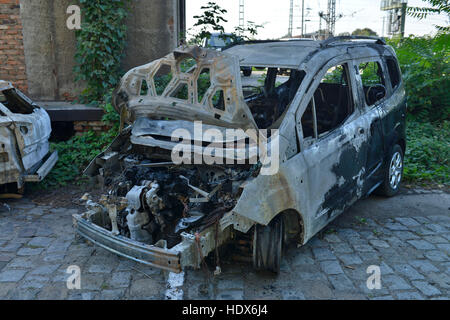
<point x="100" y="46"/>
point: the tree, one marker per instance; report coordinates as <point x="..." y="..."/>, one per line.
<point x="211" y="20"/>
<point x="364" y="32"/>
<point x="437" y="6"/>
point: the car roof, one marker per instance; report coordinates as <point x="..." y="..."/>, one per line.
<point x="288" y="53"/>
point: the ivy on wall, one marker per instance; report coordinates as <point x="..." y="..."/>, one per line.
<point x="100" y="46"/>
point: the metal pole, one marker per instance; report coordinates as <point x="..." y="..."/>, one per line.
<point x="303" y="17"/>
<point x="402" y="30"/>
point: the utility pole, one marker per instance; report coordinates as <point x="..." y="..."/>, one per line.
<point x="303" y="18"/>
<point x="291" y="18"/>
<point x="396" y="16"/>
<point x="241" y="14"/>
<point x="330" y="17"/>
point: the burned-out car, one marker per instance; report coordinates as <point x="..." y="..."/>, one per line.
<point x="24" y="132"/>
<point x="204" y="158"/>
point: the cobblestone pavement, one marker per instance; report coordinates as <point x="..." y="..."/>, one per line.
<point x="407" y="236"/>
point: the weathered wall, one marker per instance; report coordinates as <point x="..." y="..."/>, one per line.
<point x="12" y="57"/>
<point x="153" y="29"/>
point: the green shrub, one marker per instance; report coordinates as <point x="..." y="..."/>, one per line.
<point x="76" y="153"/>
<point x="427" y="153"/>
<point x="425" y="64"/>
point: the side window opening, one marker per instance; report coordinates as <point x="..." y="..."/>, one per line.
<point x="394" y="73"/>
<point x="270" y="95"/>
<point x="373" y="81"/>
<point x="15" y="102"/>
<point x="333" y="99"/>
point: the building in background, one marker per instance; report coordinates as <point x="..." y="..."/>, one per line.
<point x="394" y="23"/>
<point x="37" y="49"/>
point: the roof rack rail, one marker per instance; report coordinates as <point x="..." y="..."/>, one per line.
<point x="329" y="41"/>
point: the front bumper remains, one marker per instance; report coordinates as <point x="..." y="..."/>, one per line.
<point x="188" y="252"/>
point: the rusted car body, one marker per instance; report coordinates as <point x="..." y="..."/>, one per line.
<point x="24" y="132"/>
<point x="337" y="123"/>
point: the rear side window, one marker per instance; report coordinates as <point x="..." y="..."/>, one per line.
<point x="373" y="81"/>
<point x="394" y="73"/>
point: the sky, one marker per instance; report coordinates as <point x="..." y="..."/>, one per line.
<point x="274" y="15"/>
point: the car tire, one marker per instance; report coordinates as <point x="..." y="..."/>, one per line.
<point x="393" y="173"/>
<point x="247" y="72"/>
<point x="268" y="245"/>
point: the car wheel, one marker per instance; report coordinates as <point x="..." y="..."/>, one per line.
<point x="268" y="245"/>
<point x="393" y="173"/>
<point x="247" y="72"/>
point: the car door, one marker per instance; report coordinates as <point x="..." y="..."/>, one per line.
<point x="331" y="152"/>
<point x="371" y="83"/>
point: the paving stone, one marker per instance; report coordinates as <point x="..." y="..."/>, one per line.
<point x="341" y="282"/>
<point x="332" y="237"/>
<point x="40" y="241"/>
<point x="435" y="255"/>
<point x="331" y="267"/>
<point x="301" y="259"/>
<point x="116" y="294"/>
<point x="26" y="232"/>
<point x="408" y="295"/>
<point x="11" y="247"/>
<point x="385" y="269"/>
<point x="29" y="251"/>
<point x="120" y="279"/>
<point x="100" y="268"/>
<point x="292" y="295"/>
<point x="436" y="228"/>
<point x="13" y="275"/>
<point x="444" y="247"/>
<point x="45" y="269"/>
<point x="54" y="257"/>
<point x="394" y="282"/>
<point x="316" y="289"/>
<point x="406" y="235"/>
<point x="6" y="257"/>
<point x="58" y="247"/>
<point x="230" y="295"/>
<point x="53" y="293"/>
<point x="341" y="248"/>
<point x="421" y="244"/>
<point x="382" y="298"/>
<point x="228" y="284"/>
<point x="363" y="248"/>
<point x="408" y="271"/>
<point x="409" y="222"/>
<point x="146" y="289"/>
<point x="34" y="282"/>
<point x="396" y="226"/>
<point x="23" y="294"/>
<point x="323" y="254"/>
<point x="424" y="266"/>
<point x="379" y="243"/>
<point x="23" y="263"/>
<point x="5" y="288"/>
<point x="435" y="239"/>
<point x="426" y="288"/>
<point x="350" y="259"/>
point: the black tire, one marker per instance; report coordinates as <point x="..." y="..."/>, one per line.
<point x="247" y="72"/>
<point x="388" y="188"/>
<point x="268" y="245"/>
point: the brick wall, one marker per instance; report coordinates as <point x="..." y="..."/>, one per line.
<point x="12" y="57"/>
<point x="84" y="126"/>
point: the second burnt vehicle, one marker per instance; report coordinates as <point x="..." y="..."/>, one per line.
<point x="340" y="121"/>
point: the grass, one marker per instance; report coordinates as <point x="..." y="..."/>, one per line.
<point x="427" y="153"/>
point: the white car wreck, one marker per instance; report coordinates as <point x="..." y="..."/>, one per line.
<point x="24" y="132"/>
<point x="333" y="132"/>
